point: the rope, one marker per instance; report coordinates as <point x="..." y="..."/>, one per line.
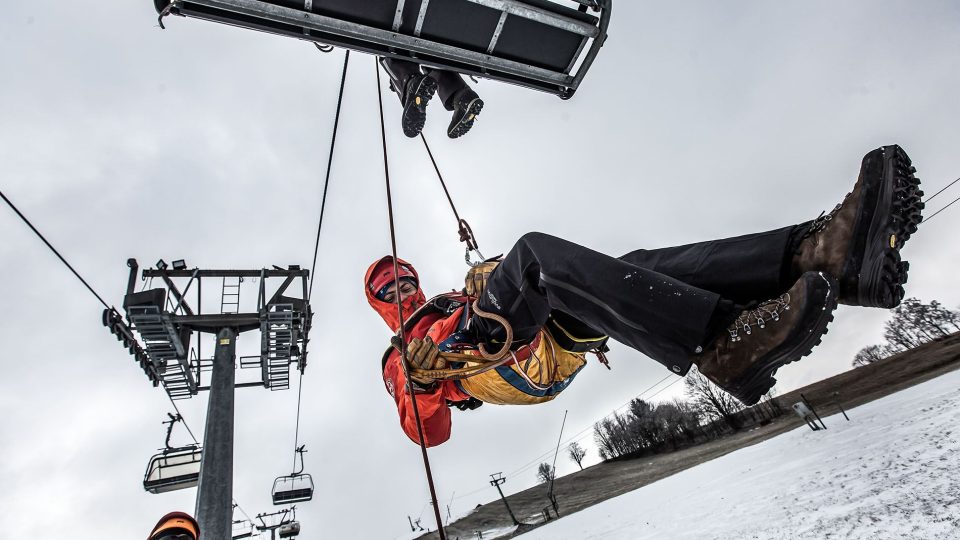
<point x="326" y="182"/>
<point x="53" y="249"/>
<point x="466" y="233"/>
<point x="403" y="341"/>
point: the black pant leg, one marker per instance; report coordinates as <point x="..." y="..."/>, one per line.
<point x="399" y="71"/>
<point x="744" y="269"/>
<point x="448" y="84"/>
<point x="653" y="313"/>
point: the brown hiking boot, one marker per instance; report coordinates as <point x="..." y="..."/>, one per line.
<point x="859" y="242"/>
<point x="745" y="357"/>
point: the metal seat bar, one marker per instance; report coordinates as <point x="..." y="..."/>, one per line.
<point x="389" y="43"/>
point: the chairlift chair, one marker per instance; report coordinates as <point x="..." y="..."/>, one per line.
<point x="289" y="529"/>
<point x="294" y="487"/>
<point x="538" y="44"/>
<point x="173" y="469"/>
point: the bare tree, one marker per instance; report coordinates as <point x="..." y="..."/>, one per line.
<point x="913" y="324"/>
<point x="545" y="473"/>
<point x="710" y="400"/>
<point x="576" y="453"/>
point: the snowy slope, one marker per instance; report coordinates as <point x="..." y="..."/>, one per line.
<point x="892" y="472"/>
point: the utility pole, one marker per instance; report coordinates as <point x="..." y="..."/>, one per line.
<point x="498" y="479"/>
<point x="550" y="495"/>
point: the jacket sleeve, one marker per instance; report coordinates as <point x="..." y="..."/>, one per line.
<point x="434" y="412"/>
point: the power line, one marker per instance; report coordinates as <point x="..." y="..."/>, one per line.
<point x="942" y="190"/>
<point x="53" y="249"/>
<point x="928" y="218"/>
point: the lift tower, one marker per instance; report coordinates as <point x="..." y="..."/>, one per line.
<point x="165" y="322"/>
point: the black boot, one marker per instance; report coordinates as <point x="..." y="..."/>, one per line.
<point x="417" y="91"/>
<point x="859" y="242"/>
<point x="466" y="106"/>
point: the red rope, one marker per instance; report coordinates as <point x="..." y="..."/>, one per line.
<point x="403" y="340"/>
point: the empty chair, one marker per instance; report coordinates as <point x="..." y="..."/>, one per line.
<point x="172" y="469"/>
<point x="539" y="44"/>
<point x="289" y="529"/>
<point x="292" y="488"/>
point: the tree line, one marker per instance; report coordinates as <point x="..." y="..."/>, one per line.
<point x="911" y="324"/>
<point x="706" y="412"/>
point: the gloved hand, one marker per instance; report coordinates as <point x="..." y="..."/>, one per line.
<point x="477" y="276"/>
<point x="424" y="354"/>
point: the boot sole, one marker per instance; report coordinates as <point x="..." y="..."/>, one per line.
<point x="415" y="110"/>
<point x="759" y="380"/>
<point x="462" y="126"/>
<point x="891" y="212"/>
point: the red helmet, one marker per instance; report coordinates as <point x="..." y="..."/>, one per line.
<point x="381" y="274"/>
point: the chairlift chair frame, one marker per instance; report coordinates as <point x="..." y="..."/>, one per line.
<point x="289" y="529"/>
<point x="538" y="44"/>
<point x="294" y="487"/>
<point x="154" y="480"/>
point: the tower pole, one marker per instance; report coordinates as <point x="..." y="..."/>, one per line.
<point x="215" y="493"/>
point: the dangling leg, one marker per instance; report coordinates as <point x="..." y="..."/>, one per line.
<point x="670" y="321"/>
<point x="414" y="89"/>
<point x="458" y="97"/>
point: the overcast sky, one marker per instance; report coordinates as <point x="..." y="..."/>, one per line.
<point x="699" y="120"/>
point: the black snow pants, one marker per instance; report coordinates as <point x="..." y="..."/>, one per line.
<point x="662" y="302"/>
<point x="448" y="82"/>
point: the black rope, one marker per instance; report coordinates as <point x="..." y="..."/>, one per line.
<point x="403" y="341"/>
<point x="466" y="233"/>
<point x="53" y="249"/>
<point x="326" y="182"/>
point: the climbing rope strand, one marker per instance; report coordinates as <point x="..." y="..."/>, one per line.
<point x="53" y="249"/>
<point x="440" y="176"/>
<point x="326" y="182"/>
<point x="930" y="198"/>
<point x="928" y="218"/>
<point x="463" y="228"/>
<point x="403" y="341"/>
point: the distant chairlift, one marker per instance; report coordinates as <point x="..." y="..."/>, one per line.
<point x="295" y="487"/>
<point x="175" y="467"/>
<point x="547" y="45"/>
<point x="290" y="529"/>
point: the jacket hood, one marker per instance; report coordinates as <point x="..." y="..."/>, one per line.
<point x="388" y="310"/>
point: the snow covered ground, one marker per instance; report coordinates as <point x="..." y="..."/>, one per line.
<point x="893" y="471"/>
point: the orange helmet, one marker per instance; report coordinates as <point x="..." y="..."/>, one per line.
<point x="176" y="525"/>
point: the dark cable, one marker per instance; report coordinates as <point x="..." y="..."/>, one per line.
<point x="403" y="341"/>
<point x="928" y="218"/>
<point x="440" y="176"/>
<point x="326" y="183"/>
<point x="942" y="190"/>
<point x="53" y="249"/>
<point x="182" y="419"/>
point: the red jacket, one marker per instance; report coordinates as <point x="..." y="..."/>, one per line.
<point x="432" y="406"/>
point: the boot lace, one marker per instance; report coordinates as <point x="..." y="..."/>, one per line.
<point x="821" y="221"/>
<point x="764" y="313"/>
